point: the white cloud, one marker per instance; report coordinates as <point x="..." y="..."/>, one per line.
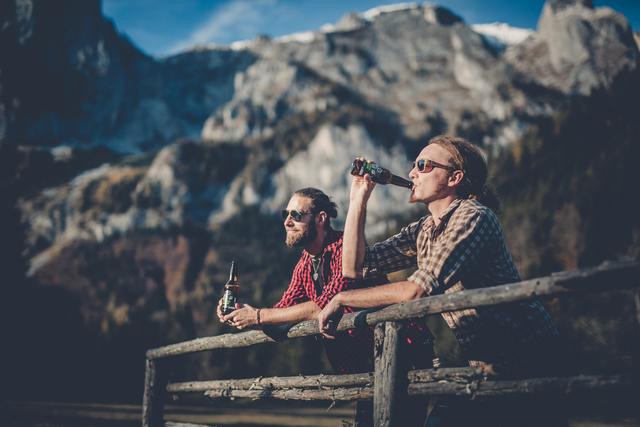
<point x="236" y="20"/>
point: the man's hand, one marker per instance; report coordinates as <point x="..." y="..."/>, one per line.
<point x="242" y="317"/>
<point x="327" y="315"/>
<point x="219" y="311"/>
<point x="361" y="187"/>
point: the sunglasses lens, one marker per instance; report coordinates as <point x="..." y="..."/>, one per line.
<point x="295" y="215"/>
<point x="424" y="165"/>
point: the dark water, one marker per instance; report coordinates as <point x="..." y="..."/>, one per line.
<point x="55" y="414"/>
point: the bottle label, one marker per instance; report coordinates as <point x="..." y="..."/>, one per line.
<point x="228" y="301"/>
<point x="373" y="169"/>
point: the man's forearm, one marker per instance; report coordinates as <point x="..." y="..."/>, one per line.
<point x="382" y="295"/>
<point x="354" y="243"/>
<point x="296" y="313"/>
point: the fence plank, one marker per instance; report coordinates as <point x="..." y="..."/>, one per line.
<point x="301" y="381"/>
<point x="608" y="276"/>
<point x="319" y="381"/>
<point x="469" y="384"/>
<point x="334" y="393"/>
<point x="386" y="385"/>
<point x="549" y="385"/>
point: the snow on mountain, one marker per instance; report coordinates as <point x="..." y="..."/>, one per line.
<point x="371" y="14"/>
<point x="502" y="34"/>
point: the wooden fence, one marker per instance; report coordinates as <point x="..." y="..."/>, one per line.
<point x="388" y="382"/>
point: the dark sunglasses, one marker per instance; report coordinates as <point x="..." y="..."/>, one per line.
<point x="295" y="215"/>
<point x="426" y="165"/>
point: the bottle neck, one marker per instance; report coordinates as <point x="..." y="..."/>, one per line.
<point x="401" y="182"/>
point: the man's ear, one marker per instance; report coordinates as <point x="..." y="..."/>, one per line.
<point x="321" y="218"/>
<point x="456" y="178"/>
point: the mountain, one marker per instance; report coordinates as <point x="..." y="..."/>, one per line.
<point x="131" y="182"/>
<point x="97" y="88"/>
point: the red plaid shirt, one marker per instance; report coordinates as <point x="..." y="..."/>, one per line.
<point x="352" y="350"/>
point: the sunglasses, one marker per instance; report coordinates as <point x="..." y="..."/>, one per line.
<point x="426" y="165"/>
<point x="295" y="215"/>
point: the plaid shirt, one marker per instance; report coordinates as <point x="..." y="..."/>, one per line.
<point x="467" y="251"/>
<point x="352" y="350"/>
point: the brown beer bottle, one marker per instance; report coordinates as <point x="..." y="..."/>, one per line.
<point x="231" y="290"/>
<point x="378" y="174"/>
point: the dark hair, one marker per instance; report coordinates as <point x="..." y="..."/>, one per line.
<point x="319" y="202"/>
<point x="469" y="159"/>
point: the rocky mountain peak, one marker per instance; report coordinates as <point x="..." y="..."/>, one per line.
<point x="350" y="21"/>
<point x="577" y="48"/>
<point x="435" y="14"/>
<point x="558" y="5"/>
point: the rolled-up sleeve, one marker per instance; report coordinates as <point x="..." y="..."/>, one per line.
<point x="398" y="252"/>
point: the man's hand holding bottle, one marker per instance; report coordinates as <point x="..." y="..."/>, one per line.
<point x="243" y="316"/>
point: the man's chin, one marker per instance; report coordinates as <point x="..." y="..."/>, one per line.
<point x="294" y="241"/>
<point x="291" y="243"/>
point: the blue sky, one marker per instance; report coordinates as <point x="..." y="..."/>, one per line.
<point x="160" y="27"/>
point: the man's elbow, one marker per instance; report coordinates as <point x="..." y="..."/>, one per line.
<point x="415" y="291"/>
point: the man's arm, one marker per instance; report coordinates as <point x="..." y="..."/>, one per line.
<point x="294" y="306"/>
<point x="246" y="315"/>
<point x="377" y="296"/>
<point x="354" y="242"/>
<point x="396" y="253"/>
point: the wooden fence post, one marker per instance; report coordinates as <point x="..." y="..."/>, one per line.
<point x="386" y="379"/>
<point x="155" y="384"/>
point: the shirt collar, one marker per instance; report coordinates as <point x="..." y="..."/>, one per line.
<point x="449" y="211"/>
<point x="329" y="243"/>
<point x="430" y="223"/>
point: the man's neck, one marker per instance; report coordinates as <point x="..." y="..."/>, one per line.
<point x="437" y="207"/>
<point x="315" y="247"/>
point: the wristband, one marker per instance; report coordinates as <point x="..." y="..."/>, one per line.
<point x="258" y="316"/>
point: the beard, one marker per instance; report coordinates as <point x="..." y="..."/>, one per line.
<point x="301" y="239"/>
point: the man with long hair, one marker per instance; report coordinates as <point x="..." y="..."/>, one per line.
<point x="458" y="245"/>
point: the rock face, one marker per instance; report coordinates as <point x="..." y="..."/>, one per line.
<point x="577" y="48"/>
<point x="276" y="115"/>
<point x="184" y="183"/>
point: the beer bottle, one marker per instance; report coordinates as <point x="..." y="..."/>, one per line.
<point x="378" y="173"/>
<point x="231" y="290"/>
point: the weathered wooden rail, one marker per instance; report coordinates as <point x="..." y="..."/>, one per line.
<point x="388" y="382"/>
